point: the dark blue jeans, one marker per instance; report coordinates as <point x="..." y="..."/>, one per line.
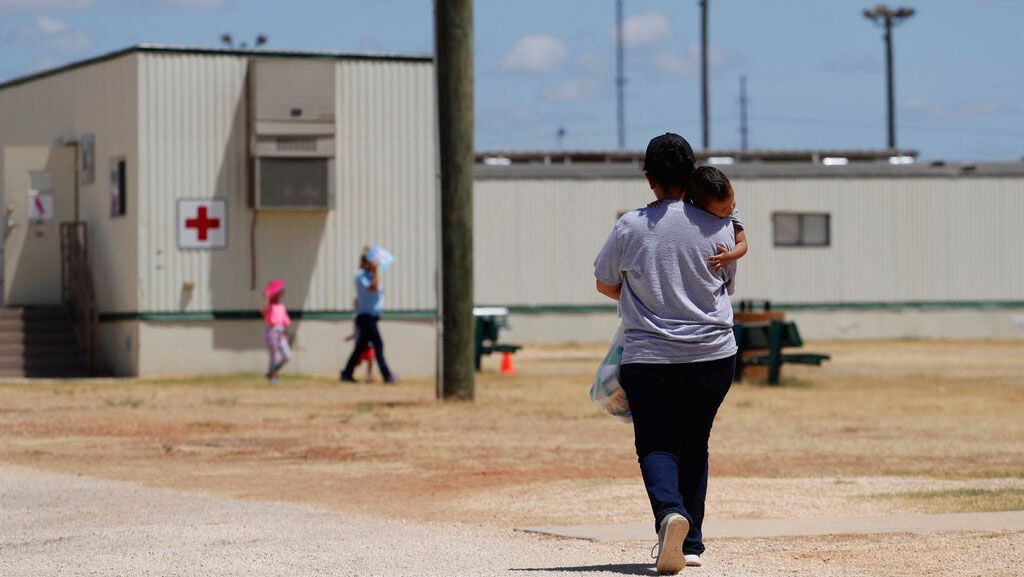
<point x="368" y="334"/>
<point x="673" y="409"/>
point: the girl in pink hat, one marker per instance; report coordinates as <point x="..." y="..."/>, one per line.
<point x="277" y="320"/>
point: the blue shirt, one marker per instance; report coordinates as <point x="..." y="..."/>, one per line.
<point x="368" y="302"/>
<point x="674" y="307"/>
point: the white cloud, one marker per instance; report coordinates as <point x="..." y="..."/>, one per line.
<point x="645" y="30"/>
<point x="51" y="33"/>
<point x="675" y="63"/>
<point x="196" y="3"/>
<point x="593" y="63"/>
<point x="542" y="53"/>
<point x="571" y="91"/>
<point x="50" y="26"/>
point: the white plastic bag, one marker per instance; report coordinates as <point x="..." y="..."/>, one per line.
<point x="382" y="258"/>
<point x="606" y="392"/>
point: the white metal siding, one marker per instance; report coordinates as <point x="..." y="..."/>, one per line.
<point x="99" y="98"/>
<point x="892" y="239"/>
<point x="193" y="126"/>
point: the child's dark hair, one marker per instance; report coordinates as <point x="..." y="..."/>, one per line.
<point x="669" y="160"/>
<point x="707" y="185"/>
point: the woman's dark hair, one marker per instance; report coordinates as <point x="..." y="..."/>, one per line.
<point x="669" y="160"/>
<point x="707" y="184"/>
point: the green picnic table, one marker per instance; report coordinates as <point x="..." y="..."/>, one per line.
<point x="773" y="337"/>
<point x="489" y="323"/>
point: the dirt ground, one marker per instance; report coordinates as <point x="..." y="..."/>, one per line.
<point x="884" y="427"/>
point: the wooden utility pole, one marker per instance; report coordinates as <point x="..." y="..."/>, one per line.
<point x="453" y="37"/>
<point x="886" y="18"/>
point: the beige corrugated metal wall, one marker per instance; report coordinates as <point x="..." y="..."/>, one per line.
<point x="99" y="99"/>
<point x="894" y="240"/>
<point x="193" y="145"/>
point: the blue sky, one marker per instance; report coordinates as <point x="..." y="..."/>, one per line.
<point x="815" y="68"/>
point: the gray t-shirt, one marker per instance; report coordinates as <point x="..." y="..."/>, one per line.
<point x="674" y="307"/>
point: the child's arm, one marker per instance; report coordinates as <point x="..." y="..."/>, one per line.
<point x="611" y="291"/>
<point x="726" y="256"/>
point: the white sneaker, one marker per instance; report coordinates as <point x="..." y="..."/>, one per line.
<point x="693" y="560"/>
<point x="674" y="528"/>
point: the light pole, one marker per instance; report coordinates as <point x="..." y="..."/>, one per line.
<point x="886" y="18"/>
<point x="620" y="76"/>
<point x="704" y="73"/>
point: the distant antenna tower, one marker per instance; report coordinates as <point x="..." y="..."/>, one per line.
<point x="620" y="77"/>
<point x="744" y="128"/>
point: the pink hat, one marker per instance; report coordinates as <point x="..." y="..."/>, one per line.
<point x="274" y="287"/>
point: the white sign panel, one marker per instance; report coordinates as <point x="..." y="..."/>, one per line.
<point x="40" y="206"/>
<point x="202" y="223"/>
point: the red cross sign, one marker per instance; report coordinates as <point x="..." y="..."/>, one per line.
<point x="202" y="223"/>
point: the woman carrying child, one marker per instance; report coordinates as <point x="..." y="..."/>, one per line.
<point x="679" y="351"/>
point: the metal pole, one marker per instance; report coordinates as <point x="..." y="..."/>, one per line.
<point x="889" y="82"/>
<point x="620" y="77"/>
<point x="704" y="71"/>
<point x="744" y="129"/>
<point x="888" y="18"/>
<point x="453" y="34"/>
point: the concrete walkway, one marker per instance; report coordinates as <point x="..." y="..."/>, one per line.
<point x="748" y="528"/>
<point x="67" y="526"/>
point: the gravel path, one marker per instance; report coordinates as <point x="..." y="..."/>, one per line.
<point x="62" y="525"/>
<point x="916" y="523"/>
<point x="53" y="524"/>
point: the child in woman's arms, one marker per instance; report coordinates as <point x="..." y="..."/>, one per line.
<point x="710" y="189"/>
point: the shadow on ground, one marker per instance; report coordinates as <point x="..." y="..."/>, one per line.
<point x="621" y="568"/>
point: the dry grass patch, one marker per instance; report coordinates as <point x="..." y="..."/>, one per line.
<point x="530" y="441"/>
<point x="960" y="500"/>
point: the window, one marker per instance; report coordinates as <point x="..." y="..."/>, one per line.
<point x="118" y="187"/>
<point x="801" y="229"/>
<point x="293" y="183"/>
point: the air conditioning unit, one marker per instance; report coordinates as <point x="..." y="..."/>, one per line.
<point x="292" y="139"/>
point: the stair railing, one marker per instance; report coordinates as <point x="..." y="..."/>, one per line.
<point x="79" y="291"/>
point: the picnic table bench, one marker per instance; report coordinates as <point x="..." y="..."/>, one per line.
<point x="773" y="337"/>
<point x="489" y="322"/>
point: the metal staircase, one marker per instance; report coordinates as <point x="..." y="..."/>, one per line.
<point x="39" y="342"/>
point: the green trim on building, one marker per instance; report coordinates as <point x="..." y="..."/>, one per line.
<point x="894" y="306"/>
<point x="204" y="316"/>
<point x="430" y="314"/>
<point x="559" y="309"/>
<point x="827" y="307"/>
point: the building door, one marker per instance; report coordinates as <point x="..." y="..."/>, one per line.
<point x="38" y="187"/>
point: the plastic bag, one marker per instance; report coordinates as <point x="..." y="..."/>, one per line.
<point x="382" y="258"/>
<point x="606" y="392"/>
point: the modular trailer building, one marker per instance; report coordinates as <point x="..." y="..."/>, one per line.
<point x="160" y="130"/>
<point x="289" y="163"/>
<point x="861" y="251"/>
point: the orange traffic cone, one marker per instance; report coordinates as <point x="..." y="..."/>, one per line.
<point x="506" y="364"/>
